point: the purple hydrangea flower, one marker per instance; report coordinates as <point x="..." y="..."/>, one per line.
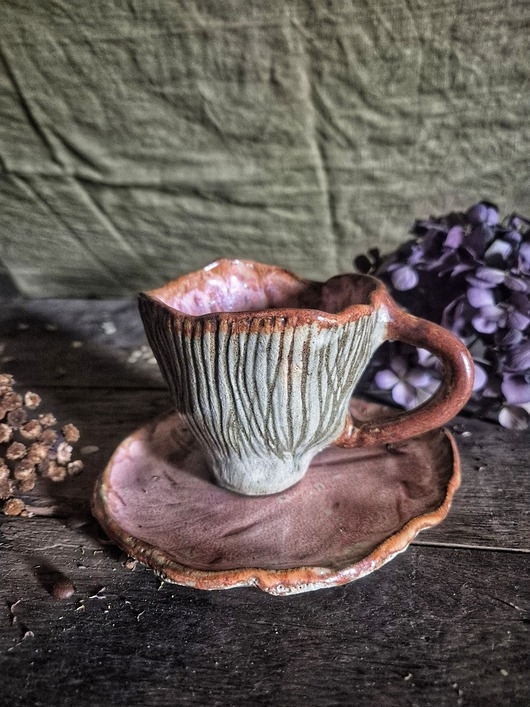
<point x="470" y="273"/>
<point x="409" y="385"/>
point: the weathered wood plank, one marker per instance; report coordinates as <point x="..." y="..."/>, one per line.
<point x="491" y="508"/>
<point x="399" y="636"/>
<point x="88" y="343"/>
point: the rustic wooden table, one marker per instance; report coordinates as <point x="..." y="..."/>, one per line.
<point x="445" y="623"/>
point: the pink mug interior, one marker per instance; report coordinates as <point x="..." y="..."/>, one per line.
<point x="245" y="286"/>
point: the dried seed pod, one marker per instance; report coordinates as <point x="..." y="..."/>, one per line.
<point x="64" y="453"/>
<point x="71" y="433"/>
<point x="24" y="470"/>
<point x="6" y="432"/>
<point x="17" y="418"/>
<point x="75" y="467"/>
<point x="4" y="470"/>
<point x="6" y="488"/>
<point x="16" y="450"/>
<point x="47" y="419"/>
<point x="63" y="588"/>
<point x="32" y="430"/>
<point x="37" y="452"/>
<point x="13" y="507"/>
<point x="48" y="437"/>
<point x="56" y="472"/>
<point x="43" y="456"/>
<point x="12" y="401"/>
<point x="43" y="467"/>
<point x="32" y="400"/>
<point x="27" y="484"/>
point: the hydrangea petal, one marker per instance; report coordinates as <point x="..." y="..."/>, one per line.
<point x="386" y="379"/>
<point x="399" y="365"/>
<point x="456" y="270"/>
<point x="512" y="237"/>
<point x="480" y="298"/>
<point x="454" y="237"/>
<point x="492" y="311"/>
<point x="478" y="239"/>
<point x="521" y="302"/>
<point x="481" y="377"/>
<point x="454" y="315"/>
<point x="510" y="338"/>
<point x="405" y="278"/>
<point x="491" y="275"/>
<point x="517" y="284"/>
<point x="517" y="320"/>
<point x="483" y="212"/>
<point x="405" y="394"/>
<point x="484" y="325"/>
<point x="416" y="255"/>
<point x="499" y="251"/>
<point x="477" y="282"/>
<point x="514" y="418"/>
<point x="524" y="256"/>
<point x="492" y="216"/>
<point x="518" y="359"/>
<point x="477" y="213"/>
<point x="418" y="377"/>
<point x="422" y="394"/>
<point x="433" y="386"/>
<point x="516" y="389"/>
<point x="426" y="358"/>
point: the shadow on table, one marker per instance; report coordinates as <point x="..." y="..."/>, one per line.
<point x="90" y="363"/>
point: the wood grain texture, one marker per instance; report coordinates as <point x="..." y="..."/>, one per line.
<point x="62" y="343"/>
<point x="401" y="636"/>
<point x="445" y="623"/>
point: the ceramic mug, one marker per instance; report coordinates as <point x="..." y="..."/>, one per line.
<point x="263" y="364"/>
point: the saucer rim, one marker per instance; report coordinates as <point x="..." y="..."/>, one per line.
<point x="278" y="582"/>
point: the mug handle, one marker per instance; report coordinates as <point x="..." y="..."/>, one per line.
<point x="454" y="391"/>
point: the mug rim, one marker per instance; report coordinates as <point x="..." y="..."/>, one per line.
<point x="377" y="298"/>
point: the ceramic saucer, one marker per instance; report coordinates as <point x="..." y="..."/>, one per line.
<point x="354" y="510"/>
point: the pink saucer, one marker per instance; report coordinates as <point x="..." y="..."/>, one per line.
<point x="354" y="510"/>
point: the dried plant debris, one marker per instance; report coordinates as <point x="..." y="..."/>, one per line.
<point x="31" y="446"/>
<point x="63" y="588"/>
<point x="14" y="506"/>
<point x="142" y="355"/>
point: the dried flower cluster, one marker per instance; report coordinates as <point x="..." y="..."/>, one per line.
<point x="471" y="274"/>
<point x="30" y="446"/>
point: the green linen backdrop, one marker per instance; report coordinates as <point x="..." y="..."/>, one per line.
<point x="140" y="139"/>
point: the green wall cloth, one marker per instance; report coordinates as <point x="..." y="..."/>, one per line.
<point x="140" y="139"/>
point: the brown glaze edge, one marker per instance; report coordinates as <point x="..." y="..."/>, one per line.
<point x="276" y="582"/>
<point x="241" y="320"/>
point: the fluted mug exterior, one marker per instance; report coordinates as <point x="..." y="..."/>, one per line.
<point x="262" y="364"/>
